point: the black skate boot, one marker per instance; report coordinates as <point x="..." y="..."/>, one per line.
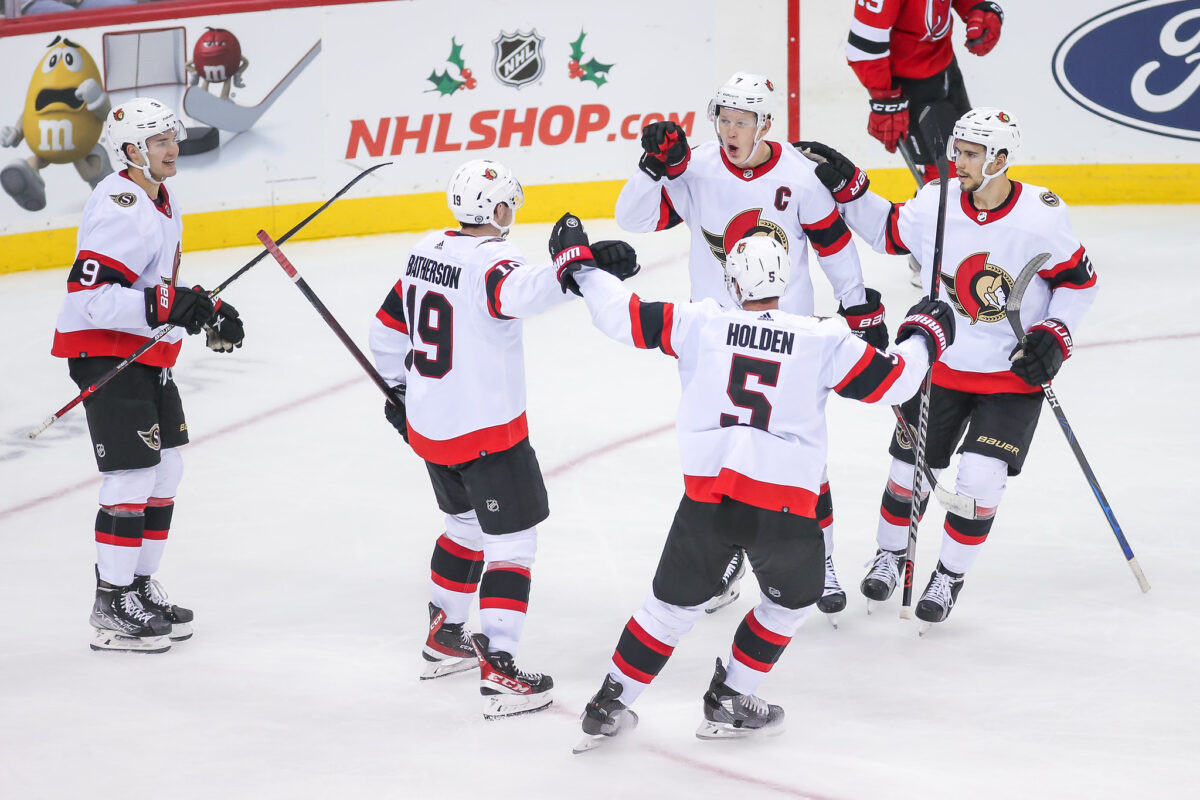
<point x="122" y="623"/>
<point x="448" y="649"/>
<point x="730" y="589"/>
<point x="507" y="690"/>
<point x="605" y="716"/>
<point x="937" y="601"/>
<point x="729" y="715"/>
<point x="883" y="575"/>
<point x="833" y="599"/>
<point x="154" y="599"/>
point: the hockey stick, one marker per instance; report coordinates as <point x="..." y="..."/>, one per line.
<point x="935" y="137"/>
<point x="227" y="115"/>
<point x="327" y="315"/>
<point x="1014" y="317"/>
<point x="165" y="329"/>
<point x="905" y="147"/>
<point x="953" y="502"/>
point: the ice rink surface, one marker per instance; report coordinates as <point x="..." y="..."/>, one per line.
<point x="304" y="527"/>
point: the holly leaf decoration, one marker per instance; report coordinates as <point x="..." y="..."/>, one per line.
<point x="456" y="54"/>
<point x="596" y="72"/>
<point x="443" y="84"/>
<point x="577" y="46"/>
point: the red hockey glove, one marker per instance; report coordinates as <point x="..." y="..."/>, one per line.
<point x="667" y="152"/>
<point x="889" y="117"/>
<point x="190" y="309"/>
<point x="1039" y="358"/>
<point x="983" y="27"/>
<point x="866" y="320"/>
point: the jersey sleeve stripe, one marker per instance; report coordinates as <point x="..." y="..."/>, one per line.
<point x="871" y="376"/>
<point x="395" y="324"/>
<point x="894" y="244"/>
<point x="668" y="217"/>
<point x="650" y="324"/>
<point x="829" y="235"/>
<point x="493" y="281"/>
<point x="92" y="270"/>
<point x="391" y="313"/>
<point x="1074" y="273"/>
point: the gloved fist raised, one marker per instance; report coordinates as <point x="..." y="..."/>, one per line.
<point x="190" y="309"/>
<point x="933" y="319"/>
<point x="396" y="413"/>
<point x="983" y="27"/>
<point x="570" y="250"/>
<point x="844" y="181"/>
<point x="224" y="331"/>
<point x="1038" y="358"/>
<point x="667" y="152"/>
<point x="889" y="117"/>
<point x="616" y="258"/>
<point x="866" y="320"/>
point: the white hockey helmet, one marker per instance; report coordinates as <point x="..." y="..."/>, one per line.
<point x="993" y="128"/>
<point x="760" y="265"/>
<point x="745" y="91"/>
<point x="477" y="187"/>
<point x="135" y="121"/>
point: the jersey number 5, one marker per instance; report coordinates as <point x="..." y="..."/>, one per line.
<point x="742" y="368"/>
<point x="435" y="327"/>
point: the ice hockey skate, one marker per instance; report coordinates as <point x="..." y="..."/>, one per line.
<point x="122" y="623"/>
<point x="731" y="583"/>
<point x="448" y="648"/>
<point x="508" y="691"/>
<point x="729" y="715"/>
<point x="882" y="577"/>
<point x="833" y="598"/>
<point x="154" y="599"/>
<point x="604" y="717"/>
<point x="937" y="601"/>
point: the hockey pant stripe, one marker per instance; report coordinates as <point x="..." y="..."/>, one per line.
<point x="455" y="567"/>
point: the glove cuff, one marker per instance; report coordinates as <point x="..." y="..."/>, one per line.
<point x="865" y="315"/>
<point x="158" y="304"/>
<point x="1060" y="332"/>
<point x="931" y="330"/>
<point x="653" y="166"/>
<point x="853" y="188"/>
<point x="573" y="254"/>
<point x="675" y="170"/>
<point x="989" y="7"/>
<point x="893" y="103"/>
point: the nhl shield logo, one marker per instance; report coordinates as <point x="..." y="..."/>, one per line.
<point x="518" y="58"/>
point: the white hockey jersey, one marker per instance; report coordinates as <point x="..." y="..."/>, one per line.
<point x="450" y="329"/>
<point x="722" y="203"/>
<point x="983" y="253"/>
<point x="751" y="419"/>
<point x="126" y="243"/>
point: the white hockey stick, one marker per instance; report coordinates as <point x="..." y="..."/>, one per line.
<point x="227" y="115"/>
<point x="955" y="503"/>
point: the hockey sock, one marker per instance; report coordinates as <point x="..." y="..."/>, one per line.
<point x="759" y="642"/>
<point x="454" y="576"/>
<point x="154" y="539"/>
<point x="647" y="642"/>
<point x="119" y="530"/>
<point x="503" y="602"/>
<point x="961" y="541"/>
<point x="894" y="512"/>
<point x="825" y="517"/>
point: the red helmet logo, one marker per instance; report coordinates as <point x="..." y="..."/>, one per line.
<point x="490" y="174"/>
<point x="1003" y="117"/>
<point x="119" y="114"/>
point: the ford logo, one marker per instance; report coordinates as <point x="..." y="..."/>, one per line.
<point x="1137" y="65"/>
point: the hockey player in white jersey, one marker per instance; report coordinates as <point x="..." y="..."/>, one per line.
<point x="740" y="185"/>
<point x="986" y="386"/>
<point x="449" y="338"/>
<point x="123" y="285"/>
<point x="752" y="442"/>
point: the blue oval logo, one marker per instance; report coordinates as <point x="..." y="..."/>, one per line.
<point x="1137" y="65"/>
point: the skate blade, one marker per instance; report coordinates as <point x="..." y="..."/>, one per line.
<point x="180" y="632"/>
<point x="925" y="628"/>
<point x="714" y="731"/>
<point x="722" y="600"/>
<point x="113" y="642"/>
<point x="501" y="706"/>
<point x="589" y="743"/>
<point x="451" y="666"/>
<point x="833" y="619"/>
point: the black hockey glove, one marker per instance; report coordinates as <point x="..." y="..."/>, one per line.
<point x="866" y="320"/>
<point x="224" y="331"/>
<point x="190" y="309"/>
<point x="570" y="250"/>
<point x="616" y="258"/>
<point x="667" y="152"/>
<point x="844" y="181"/>
<point x="1040" y="356"/>
<point x="396" y="413"/>
<point x="933" y="319"/>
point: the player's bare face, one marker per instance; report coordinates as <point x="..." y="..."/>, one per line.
<point x="968" y="163"/>
<point x="163" y="151"/>
<point x="737" y="130"/>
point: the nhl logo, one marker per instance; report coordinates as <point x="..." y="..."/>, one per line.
<point x="493" y="505"/>
<point x="518" y="60"/>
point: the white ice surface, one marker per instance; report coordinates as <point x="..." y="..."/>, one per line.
<point x="304" y="527"/>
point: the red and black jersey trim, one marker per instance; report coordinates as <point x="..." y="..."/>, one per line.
<point x="505" y="587"/>
<point x="1076" y="272"/>
<point x="892" y="241"/>
<point x="492" y="282"/>
<point x="92" y="270"/>
<point x="639" y="655"/>
<point x="455" y="567"/>
<point x="967" y="202"/>
<point x="756" y="646"/>
<point x="828" y="236"/>
<point x="871" y="376"/>
<point x="668" y="217"/>
<point x="651" y="324"/>
<point x="391" y="313"/>
<point x="749" y="174"/>
<point x="825" y="506"/>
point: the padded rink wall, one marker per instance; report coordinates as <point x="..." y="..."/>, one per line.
<point x="559" y="91"/>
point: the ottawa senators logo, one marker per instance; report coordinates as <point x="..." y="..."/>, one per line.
<point x="490" y="174"/>
<point x="979" y="290"/>
<point x="152" y="438"/>
<point x="746" y="223"/>
<point x="124" y="199"/>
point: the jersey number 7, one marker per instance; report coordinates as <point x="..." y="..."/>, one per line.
<point x="759" y="407"/>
